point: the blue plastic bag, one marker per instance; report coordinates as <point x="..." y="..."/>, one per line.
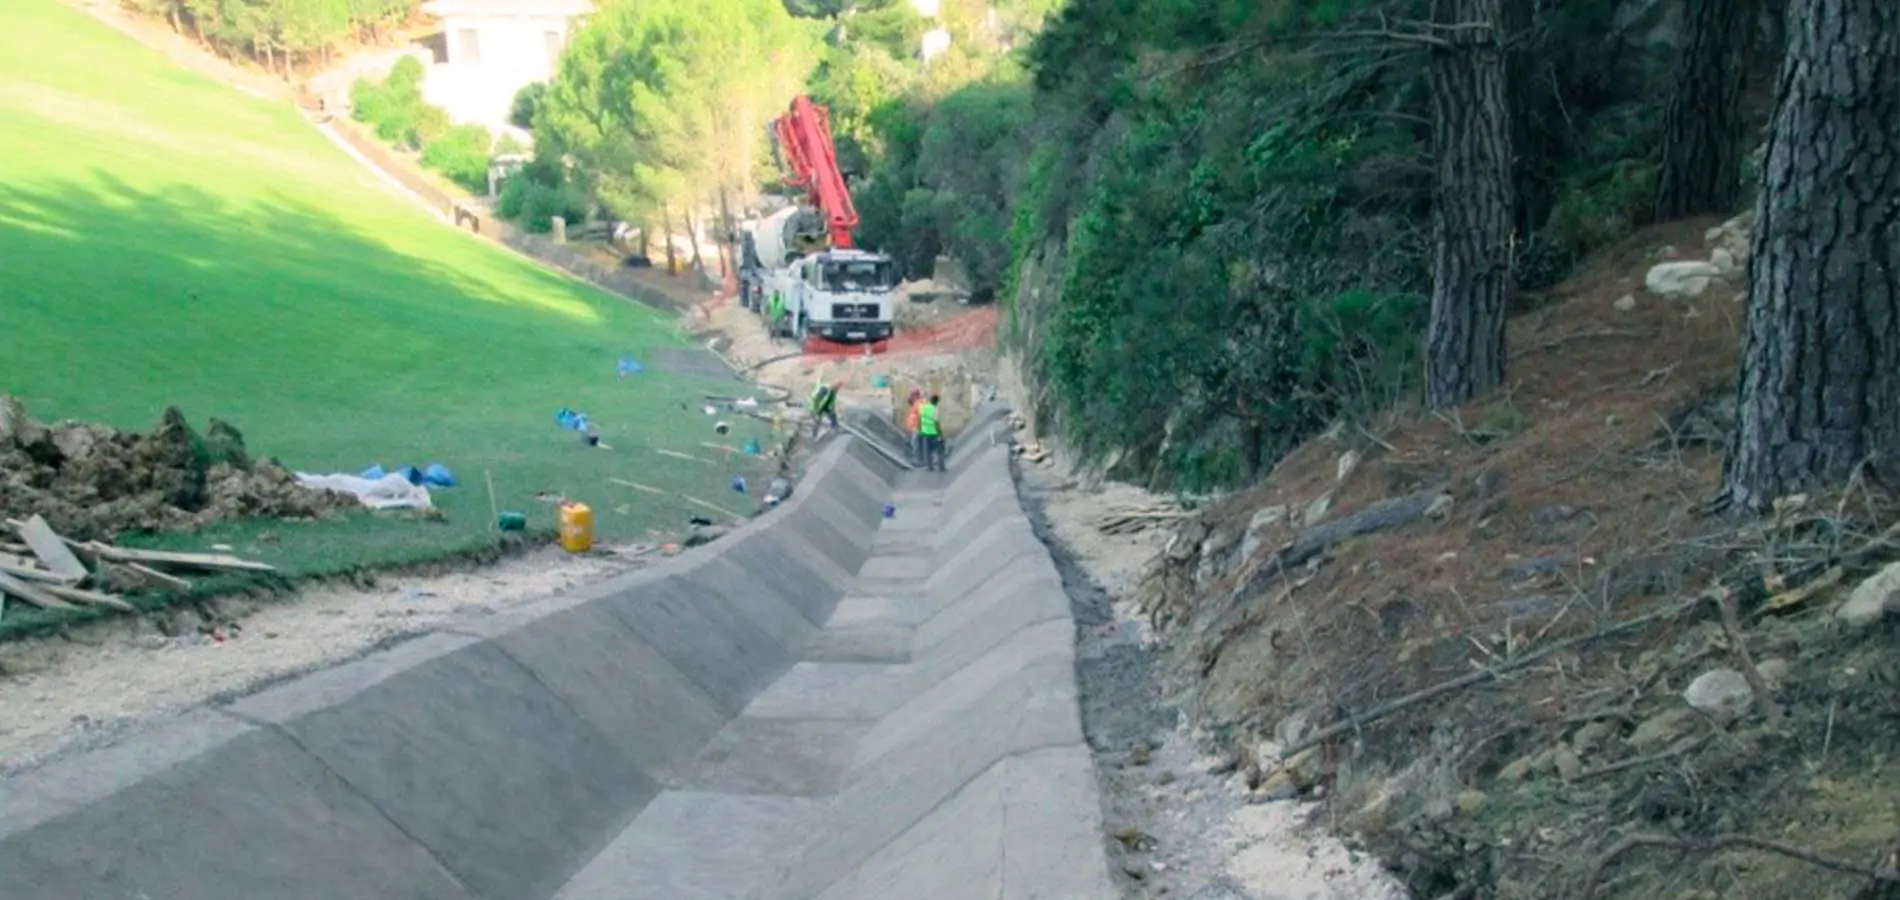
<point x="630" y="366"/>
<point x="438" y="475"/>
<point x="738" y="483"/>
<point x="373" y="473"/>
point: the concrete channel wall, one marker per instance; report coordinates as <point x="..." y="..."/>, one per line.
<point x="827" y="704"/>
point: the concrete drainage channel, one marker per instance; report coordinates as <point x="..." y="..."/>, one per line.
<point x="825" y="704"/>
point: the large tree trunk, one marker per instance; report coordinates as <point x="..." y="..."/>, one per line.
<point x="666" y="239"/>
<point x="728" y="240"/>
<point x="692" y="242"/>
<point x="1819" y="390"/>
<point x="1473" y="202"/>
<point x="1538" y="131"/>
<point x="1704" y="134"/>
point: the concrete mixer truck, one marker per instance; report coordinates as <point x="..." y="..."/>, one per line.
<point x="804" y="253"/>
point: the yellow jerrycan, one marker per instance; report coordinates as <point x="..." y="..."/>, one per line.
<point x="577" y="527"/>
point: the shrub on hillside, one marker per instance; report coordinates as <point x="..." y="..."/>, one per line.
<point x="521" y="112"/>
<point x="395" y="108"/>
<point x="461" y="155"/>
<point x="534" y="204"/>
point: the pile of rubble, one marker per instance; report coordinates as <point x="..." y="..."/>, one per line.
<point x="93" y="482"/>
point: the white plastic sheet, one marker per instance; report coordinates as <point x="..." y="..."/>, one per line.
<point x="391" y="491"/>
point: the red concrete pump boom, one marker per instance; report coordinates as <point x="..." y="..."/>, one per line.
<point x="804" y="140"/>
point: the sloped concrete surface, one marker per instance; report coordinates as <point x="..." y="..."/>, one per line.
<point x="826" y="705"/>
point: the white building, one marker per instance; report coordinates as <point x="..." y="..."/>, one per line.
<point x="491" y="49"/>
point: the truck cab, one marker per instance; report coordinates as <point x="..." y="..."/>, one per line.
<point x="844" y="295"/>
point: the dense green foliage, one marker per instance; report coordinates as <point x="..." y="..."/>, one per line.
<point x="1213" y="219"/>
<point x="277" y="31"/>
<point x="662" y="104"/>
<point x="183" y="243"/>
<point x="527" y="100"/>
<point x="461" y="155"/>
<point x="538" y="193"/>
<point x="395" y="108"/>
<point x="938" y="148"/>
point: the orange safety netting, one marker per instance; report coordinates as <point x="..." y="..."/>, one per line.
<point x="964" y="331"/>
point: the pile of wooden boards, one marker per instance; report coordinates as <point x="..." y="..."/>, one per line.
<point x="1132" y="519"/>
<point x="51" y="572"/>
<point x="1033" y="451"/>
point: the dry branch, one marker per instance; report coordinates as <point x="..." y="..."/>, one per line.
<point x="1724" y="600"/>
<point x="1726" y="841"/>
<point x="1681" y="748"/>
<point x="1486" y="674"/>
<point x="1585" y="335"/>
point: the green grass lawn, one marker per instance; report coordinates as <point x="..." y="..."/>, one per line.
<point x="168" y="240"/>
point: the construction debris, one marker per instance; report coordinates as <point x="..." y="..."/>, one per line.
<point x="1035" y="453"/>
<point x="1133" y="519"/>
<point x="53" y="575"/>
<point x="92" y="482"/>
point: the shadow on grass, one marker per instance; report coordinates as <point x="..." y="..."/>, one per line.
<point x="334" y="349"/>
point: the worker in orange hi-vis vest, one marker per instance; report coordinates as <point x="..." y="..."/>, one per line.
<point x="911" y="423"/>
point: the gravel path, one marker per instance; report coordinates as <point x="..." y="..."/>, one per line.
<point x="65" y="693"/>
<point x="1180" y="825"/>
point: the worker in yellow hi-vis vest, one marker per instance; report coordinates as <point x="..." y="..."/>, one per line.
<point x="931" y="431"/>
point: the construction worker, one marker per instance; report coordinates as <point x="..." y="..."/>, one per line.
<point x="824" y="405"/>
<point x="931" y="433"/>
<point x="911" y="427"/>
<point x="774" y="315"/>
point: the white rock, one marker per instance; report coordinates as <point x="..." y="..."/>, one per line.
<point x="1774" y="671"/>
<point x="1680" y="279"/>
<point x="1722" y="259"/>
<point x="1215" y="557"/>
<point x="1348" y="462"/>
<point x="1723" y="693"/>
<point x="1256" y="529"/>
<point x="1317" y="510"/>
<point x="1625" y="303"/>
<point x="1877" y="596"/>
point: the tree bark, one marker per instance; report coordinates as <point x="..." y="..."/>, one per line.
<point x="1473" y="203"/>
<point x="1538" y="132"/>
<point x="666" y="239"/>
<point x="1705" y="136"/>
<point x="1253" y="443"/>
<point x="728" y="239"/>
<point x="692" y="242"/>
<point x="1819" y="390"/>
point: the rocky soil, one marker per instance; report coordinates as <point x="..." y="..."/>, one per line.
<point x="1508" y="650"/>
<point x="1181" y="820"/>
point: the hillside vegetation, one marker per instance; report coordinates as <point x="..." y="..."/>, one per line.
<point x="165" y="240"/>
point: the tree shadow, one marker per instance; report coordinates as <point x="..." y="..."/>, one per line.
<point x="105" y="282"/>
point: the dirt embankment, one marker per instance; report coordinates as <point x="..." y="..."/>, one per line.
<point x="94" y="482"/>
<point x="1508" y="647"/>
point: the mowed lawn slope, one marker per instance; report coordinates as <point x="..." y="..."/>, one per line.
<point x="168" y="240"/>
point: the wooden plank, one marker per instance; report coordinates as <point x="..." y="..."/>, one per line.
<point x="16" y="587"/>
<point x="51" y="548"/>
<point x="154" y="576"/>
<point x="166" y="557"/>
<point x="91" y="598"/>
<point x="31" y="572"/>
